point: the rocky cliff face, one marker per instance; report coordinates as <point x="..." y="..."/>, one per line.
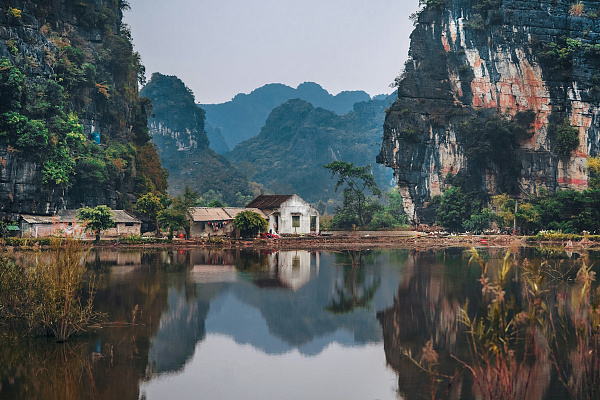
<point x="509" y="57"/>
<point x="73" y="129"/>
<point x="177" y="127"/>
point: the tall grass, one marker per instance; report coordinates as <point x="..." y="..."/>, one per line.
<point x="49" y="292"/>
<point x="548" y="327"/>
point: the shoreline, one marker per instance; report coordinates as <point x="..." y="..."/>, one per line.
<point x="344" y="241"/>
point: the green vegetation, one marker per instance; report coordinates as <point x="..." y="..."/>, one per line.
<point x="40" y="115"/>
<point x="150" y="205"/>
<point x="453" y="210"/>
<point x="243" y="117"/>
<point x="171" y="219"/>
<point x="492" y="141"/>
<point x="356" y="182"/>
<point x="593" y="164"/>
<point x="96" y="219"/>
<point x="391" y="215"/>
<point x="567" y="138"/>
<point x="52" y="294"/>
<point x="567" y="211"/>
<point x="297" y="139"/>
<point x="250" y="223"/>
<point x="182" y="144"/>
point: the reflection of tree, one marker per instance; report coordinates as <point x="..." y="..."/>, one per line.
<point x="251" y="261"/>
<point x="356" y="291"/>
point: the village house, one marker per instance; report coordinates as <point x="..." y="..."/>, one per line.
<point x="214" y="221"/>
<point x="65" y="223"/>
<point x="287" y="214"/>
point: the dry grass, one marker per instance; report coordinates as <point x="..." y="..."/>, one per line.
<point x="49" y="292"/>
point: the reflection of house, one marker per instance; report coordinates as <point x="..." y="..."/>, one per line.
<point x="291" y="269"/>
<point x="65" y="223"/>
<point x="288" y="214"/>
<point x="294" y="269"/>
<point x="209" y="221"/>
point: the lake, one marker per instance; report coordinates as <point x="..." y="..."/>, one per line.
<point x="270" y="325"/>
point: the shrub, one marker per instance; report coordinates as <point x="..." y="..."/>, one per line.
<point x="14" y="12"/>
<point x="567" y="139"/>
<point x="48" y="295"/>
<point x="250" y="223"/>
<point x="453" y="210"/>
<point x="576" y="9"/>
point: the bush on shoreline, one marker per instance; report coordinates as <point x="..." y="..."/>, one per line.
<point x="49" y="293"/>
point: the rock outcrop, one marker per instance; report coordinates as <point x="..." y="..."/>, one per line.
<point x="508" y="57"/>
<point x="178" y="130"/>
<point x="79" y="91"/>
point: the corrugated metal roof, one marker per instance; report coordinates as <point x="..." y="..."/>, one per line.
<point x="205" y="214"/>
<point x="119" y="216"/>
<point x="269" y="201"/>
<point x="234" y="211"/>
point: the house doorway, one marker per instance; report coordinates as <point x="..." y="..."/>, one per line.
<point x="313" y="223"/>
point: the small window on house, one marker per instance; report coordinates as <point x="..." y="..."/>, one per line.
<point x="313" y="223"/>
<point x="295" y="221"/>
<point x="128" y="223"/>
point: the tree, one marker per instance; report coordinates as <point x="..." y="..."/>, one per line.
<point x="96" y="219"/>
<point x="180" y="206"/>
<point x="250" y="223"/>
<point x="454" y="209"/>
<point x="150" y="205"/>
<point x="356" y="181"/>
<point x="172" y="219"/>
<point x="593" y="164"/>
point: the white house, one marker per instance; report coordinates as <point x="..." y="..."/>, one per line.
<point x="288" y="214"/>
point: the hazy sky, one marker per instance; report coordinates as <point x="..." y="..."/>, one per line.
<point x="223" y="47"/>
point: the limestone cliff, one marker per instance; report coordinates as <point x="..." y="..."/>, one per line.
<point x="73" y="129"/>
<point x="510" y="57"/>
<point x="177" y="127"/>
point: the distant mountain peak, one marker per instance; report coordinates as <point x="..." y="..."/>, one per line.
<point x="243" y="117"/>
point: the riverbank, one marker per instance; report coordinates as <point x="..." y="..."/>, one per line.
<point x="336" y="241"/>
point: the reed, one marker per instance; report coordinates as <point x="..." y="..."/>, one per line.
<point x="49" y="292"/>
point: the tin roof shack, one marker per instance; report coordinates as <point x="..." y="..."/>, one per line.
<point x="208" y="221"/>
<point x="125" y="225"/>
<point x="288" y="214"/>
<point x="65" y="223"/>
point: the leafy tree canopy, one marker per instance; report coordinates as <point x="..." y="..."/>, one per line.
<point x="96" y="219"/>
<point x="250" y="223"/>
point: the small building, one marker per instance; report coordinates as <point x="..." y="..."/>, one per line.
<point x="214" y="221"/>
<point x="65" y="223"/>
<point x="288" y="214"/>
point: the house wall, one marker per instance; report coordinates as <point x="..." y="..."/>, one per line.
<point x="55" y="229"/>
<point x="202" y="229"/>
<point x="122" y="230"/>
<point x="295" y="206"/>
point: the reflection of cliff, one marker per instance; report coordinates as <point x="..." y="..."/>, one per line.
<point x="180" y="329"/>
<point x="300" y="318"/>
<point x="426" y="307"/>
<point x="272" y="317"/>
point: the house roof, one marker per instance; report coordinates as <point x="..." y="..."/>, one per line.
<point x="269" y="201"/>
<point x="119" y="216"/>
<point x="206" y="214"/>
<point x="234" y="211"/>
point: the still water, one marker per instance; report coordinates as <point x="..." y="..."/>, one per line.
<point x="251" y="325"/>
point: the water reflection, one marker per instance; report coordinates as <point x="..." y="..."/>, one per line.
<point x="246" y="324"/>
<point x="426" y="316"/>
<point x="168" y="308"/>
